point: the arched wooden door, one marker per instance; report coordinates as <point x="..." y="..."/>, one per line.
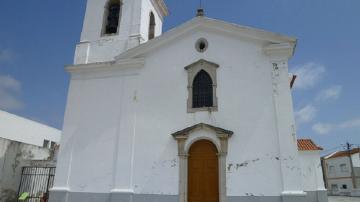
<point x="203" y="172"/>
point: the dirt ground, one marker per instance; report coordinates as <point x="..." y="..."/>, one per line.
<point x="343" y="199"/>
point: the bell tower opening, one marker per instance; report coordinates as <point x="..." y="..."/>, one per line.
<point x="152" y="26"/>
<point x="112" y="17"/>
<point x="112" y="27"/>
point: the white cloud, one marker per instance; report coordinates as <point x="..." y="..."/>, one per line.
<point x="308" y="75"/>
<point x="330" y="93"/>
<point x="322" y="128"/>
<point x="6" y="55"/>
<point x="350" y="124"/>
<point x="8" y="82"/>
<point x="305" y="114"/>
<point x="9" y="90"/>
<point x="325" y="128"/>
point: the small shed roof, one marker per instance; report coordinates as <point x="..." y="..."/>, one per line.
<point x="307" y="145"/>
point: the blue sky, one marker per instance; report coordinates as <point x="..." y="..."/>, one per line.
<point x="37" y="38"/>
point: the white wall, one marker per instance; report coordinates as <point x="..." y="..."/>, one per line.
<point x="356" y="159"/>
<point x="19" y="129"/>
<point x="336" y="162"/>
<point x="312" y="175"/>
<point x="119" y="122"/>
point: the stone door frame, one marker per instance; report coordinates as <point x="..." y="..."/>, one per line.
<point x="219" y="137"/>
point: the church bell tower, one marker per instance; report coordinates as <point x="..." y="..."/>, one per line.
<point x="114" y="26"/>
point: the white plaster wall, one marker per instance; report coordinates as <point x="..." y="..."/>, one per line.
<point x="19" y="129"/>
<point x="312" y="176"/>
<point x="244" y="107"/>
<point x="356" y="159"/>
<point x="117" y="127"/>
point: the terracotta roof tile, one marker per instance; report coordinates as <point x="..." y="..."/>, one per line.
<point x="307" y="145"/>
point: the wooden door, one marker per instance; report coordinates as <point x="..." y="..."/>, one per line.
<point x="203" y="173"/>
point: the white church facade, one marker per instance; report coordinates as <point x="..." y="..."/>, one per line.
<point x="201" y="113"/>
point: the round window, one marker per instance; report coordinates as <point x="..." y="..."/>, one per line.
<point x="201" y="45"/>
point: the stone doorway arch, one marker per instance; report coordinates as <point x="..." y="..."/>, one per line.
<point x="185" y="138"/>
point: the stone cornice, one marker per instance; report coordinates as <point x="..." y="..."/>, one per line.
<point x="222" y="133"/>
<point x="279" y="50"/>
<point x="202" y="61"/>
<point x="106" y="66"/>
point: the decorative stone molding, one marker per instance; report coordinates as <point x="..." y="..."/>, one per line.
<point x="161" y="7"/>
<point x="192" y="70"/>
<point x="280" y="50"/>
<point x="220" y="139"/>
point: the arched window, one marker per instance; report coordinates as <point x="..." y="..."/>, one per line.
<point x="112" y="16"/>
<point x="202" y="90"/>
<point x="152" y="26"/>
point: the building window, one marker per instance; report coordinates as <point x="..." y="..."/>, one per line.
<point x="152" y="26"/>
<point x="343" y="168"/>
<point x="202" y="86"/>
<point x="202" y="90"/>
<point x="112" y="16"/>
<point x="46" y="143"/>
<point x="331" y="169"/>
<point x="52" y="145"/>
<point x="344" y="186"/>
<point x="334" y="187"/>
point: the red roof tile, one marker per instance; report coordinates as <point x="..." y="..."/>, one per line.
<point x="307" y="145"/>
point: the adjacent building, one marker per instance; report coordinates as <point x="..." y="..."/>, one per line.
<point x="16" y="128"/>
<point x="23" y="143"/>
<point x="311" y="170"/>
<point x="342" y="172"/>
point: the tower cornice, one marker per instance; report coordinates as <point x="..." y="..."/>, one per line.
<point x="161" y="7"/>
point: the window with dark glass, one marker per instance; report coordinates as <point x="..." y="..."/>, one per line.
<point x="46" y="143"/>
<point x="202" y="90"/>
<point x="152" y="26"/>
<point x="52" y="145"/>
<point x="113" y="16"/>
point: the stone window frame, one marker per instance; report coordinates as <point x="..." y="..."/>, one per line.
<point x="199" y="42"/>
<point x="185" y="139"/>
<point x="192" y="70"/>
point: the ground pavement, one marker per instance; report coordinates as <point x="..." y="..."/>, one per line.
<point x="343" y="199"/>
